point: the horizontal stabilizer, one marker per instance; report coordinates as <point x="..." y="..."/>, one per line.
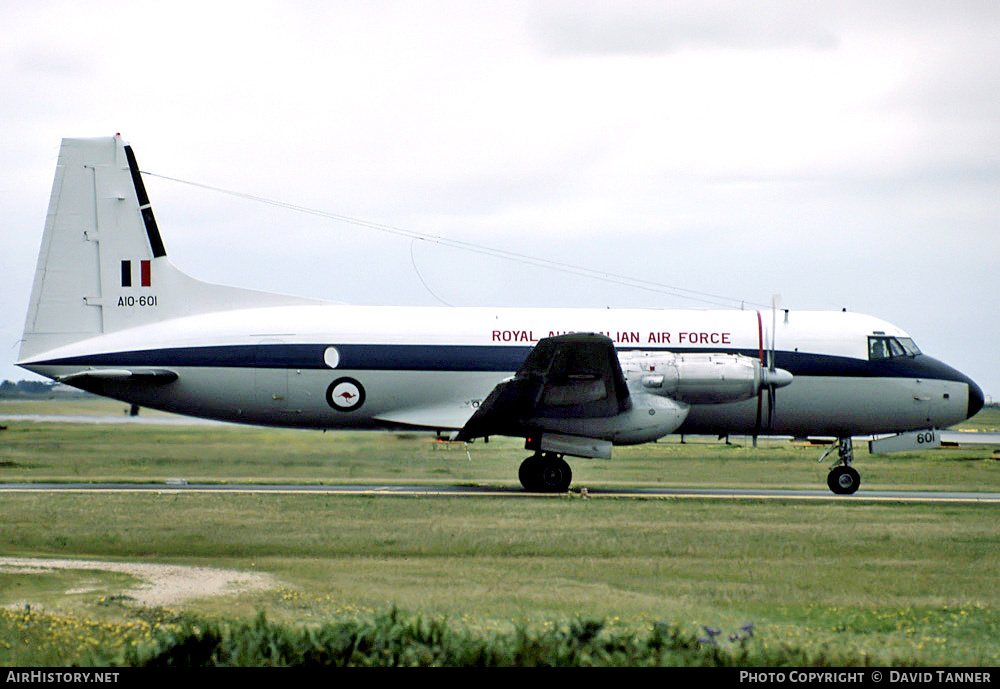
<point x="151" y="376"/>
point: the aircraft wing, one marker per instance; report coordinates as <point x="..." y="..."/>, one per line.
<point x="564" y="377"/>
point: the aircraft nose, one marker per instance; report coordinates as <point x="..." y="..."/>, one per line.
<point x="976" y="399"/>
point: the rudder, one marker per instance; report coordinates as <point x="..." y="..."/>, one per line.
<point x="102" y="266"/>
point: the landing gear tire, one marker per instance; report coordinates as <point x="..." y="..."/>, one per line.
<point x="528" y="473"/>
<point x="843" y="480"/>
<point x="546" y="473"/>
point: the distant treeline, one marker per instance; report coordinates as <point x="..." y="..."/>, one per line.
<point x="37" y="388"/>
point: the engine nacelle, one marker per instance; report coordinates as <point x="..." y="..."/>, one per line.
<point x="649" y="417"/>
<point x="710" y="378"/>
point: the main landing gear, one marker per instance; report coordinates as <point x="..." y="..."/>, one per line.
<point x="843" y="479"/>
<point x="545" y="473"/>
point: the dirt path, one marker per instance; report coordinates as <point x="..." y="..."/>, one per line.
<point x="163" y="584"/>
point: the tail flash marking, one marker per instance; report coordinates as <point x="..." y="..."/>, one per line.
<point x="152" y="231"/>
<point x="145" y="273"/>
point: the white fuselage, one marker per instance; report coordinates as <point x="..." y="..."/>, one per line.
<point x="430" y="367"/>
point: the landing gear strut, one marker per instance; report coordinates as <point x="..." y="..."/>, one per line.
<point x="545" y="473"/>
<point x="843" y="479"/>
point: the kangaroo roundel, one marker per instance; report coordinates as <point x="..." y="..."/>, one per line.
<point x="345" y="394"/>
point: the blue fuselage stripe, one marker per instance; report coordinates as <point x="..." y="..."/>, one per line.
<point x="380" y="357"/>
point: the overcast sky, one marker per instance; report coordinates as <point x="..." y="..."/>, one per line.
<point x="841" y="154"/>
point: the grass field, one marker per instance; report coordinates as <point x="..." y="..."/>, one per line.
<point x="127" y="452"/>
<point x="843" y="582"/>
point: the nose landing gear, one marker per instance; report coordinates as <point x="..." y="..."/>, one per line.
<point x="545" y="473"/>
<point x="843" y="479"/>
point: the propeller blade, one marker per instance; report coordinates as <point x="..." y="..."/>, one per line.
<point x="774" y="378"/>
<point x="756" y="424"/>
<point x="771" y="397"/>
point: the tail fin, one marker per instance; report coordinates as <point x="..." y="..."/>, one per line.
<point x="102" y="266"/>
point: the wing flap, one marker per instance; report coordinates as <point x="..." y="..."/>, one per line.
<point x="563" y="377"/>
<point x="440" y="417"/>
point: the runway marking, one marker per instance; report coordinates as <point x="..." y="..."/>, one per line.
<point x="592" y="494"/>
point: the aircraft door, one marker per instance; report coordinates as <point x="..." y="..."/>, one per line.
<point x="270" y="375"/>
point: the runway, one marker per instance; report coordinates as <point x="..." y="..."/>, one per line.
<point x="445" y="491"/>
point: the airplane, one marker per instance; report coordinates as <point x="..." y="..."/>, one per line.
<point x="110" y="314"/>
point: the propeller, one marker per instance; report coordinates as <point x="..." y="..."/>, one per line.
<point x="771" y="378"/>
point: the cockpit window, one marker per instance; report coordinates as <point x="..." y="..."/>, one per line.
<point x="877" y="348"/>
<point x="882" y="347"/>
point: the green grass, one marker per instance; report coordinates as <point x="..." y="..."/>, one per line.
<point x="73" y="404"/>
<point x="844" y="582"/>
<point x="223" y="453"/>
<point x="55" y="587"/>
<point x="391" y="638"/>
<point x="40" y="638"/>
<point x="988" y="419"/>
<point x="886" y="581"/>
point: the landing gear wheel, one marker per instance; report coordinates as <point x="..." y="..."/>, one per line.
<point x="555" y="475"/>
<point x="843" y="480"/>
<point x="528" y="473"/>
<point x="546" y="473"/>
